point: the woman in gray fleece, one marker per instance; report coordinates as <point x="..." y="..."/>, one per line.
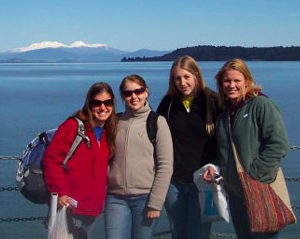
<point x="139" y="176"/>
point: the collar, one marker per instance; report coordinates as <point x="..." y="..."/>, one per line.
<point x="234" y="108"/>
<point x="140" y="112"/>
<point x="187" y="102"/>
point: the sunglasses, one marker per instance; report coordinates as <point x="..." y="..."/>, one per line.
<point x="128" y="93"/>
<point x="95" y="103"/>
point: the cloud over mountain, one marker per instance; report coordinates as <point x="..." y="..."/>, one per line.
<point x="55" y="44"/>
<point x="82" y="44"/>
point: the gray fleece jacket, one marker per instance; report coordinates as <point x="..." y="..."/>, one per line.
<point x="133" y="170"/>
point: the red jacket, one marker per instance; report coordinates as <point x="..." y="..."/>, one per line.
<point x="85" y="181"/>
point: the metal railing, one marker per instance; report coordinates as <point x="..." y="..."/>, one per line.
<point x="30" y="219"/>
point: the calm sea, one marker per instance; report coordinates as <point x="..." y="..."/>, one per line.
<point x="38" y="97"/>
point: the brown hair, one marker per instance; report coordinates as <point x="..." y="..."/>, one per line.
<point x="133" y="78"/>
<point x="86" y="115"/>
<point x="189" y="64"/>
<point x="241" y="66"/>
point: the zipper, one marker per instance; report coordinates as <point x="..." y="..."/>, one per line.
<point x="125" y="154"/>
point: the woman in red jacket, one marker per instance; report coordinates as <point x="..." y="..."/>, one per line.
<point x="84" y="180"/>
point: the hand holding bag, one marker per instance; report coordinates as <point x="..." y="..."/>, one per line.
<point x="268" y="205"/>
<point x="212" y="197"/>
<point x="58" y="225"/>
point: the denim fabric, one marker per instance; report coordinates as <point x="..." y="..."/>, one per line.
<point x="183" y="209"/>
<point x="125" y="218"/>
<point x="80" y="226"/>
<point x="240" y="221"/>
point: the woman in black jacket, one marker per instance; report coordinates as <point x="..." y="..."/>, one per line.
<point x="190" y="109"/>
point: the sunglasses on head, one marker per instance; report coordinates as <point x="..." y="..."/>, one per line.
<point x="95" y="103"/>
<point x="128" y="93"/>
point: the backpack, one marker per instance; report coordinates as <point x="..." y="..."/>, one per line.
<point x="29" y="177"/>
<point x="151" y="127"/>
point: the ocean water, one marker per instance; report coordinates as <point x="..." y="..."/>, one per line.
<point x="38" y="97"/>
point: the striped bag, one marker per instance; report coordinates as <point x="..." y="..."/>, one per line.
<point x="268" y="205"/>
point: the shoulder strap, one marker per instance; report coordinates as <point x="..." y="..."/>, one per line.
<point x="79" y="137"/>
<point x="238" y="164"/>
<point x="152" y="127"/>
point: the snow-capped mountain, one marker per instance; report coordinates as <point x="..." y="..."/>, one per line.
<point x="41" y="45"/>
<point x="55" y="44"/>
<point x="53" y="51"/>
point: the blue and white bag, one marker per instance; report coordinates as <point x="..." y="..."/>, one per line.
<point x="212" y="197"/>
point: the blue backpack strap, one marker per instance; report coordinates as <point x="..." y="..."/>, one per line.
<point x="79" y="137"/>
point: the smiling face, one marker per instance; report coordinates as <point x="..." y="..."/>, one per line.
<point x="102" y="107"/>
<point x="184" y="81"/>
<point x="137" y="97"/>
<point x="234" y="85"/>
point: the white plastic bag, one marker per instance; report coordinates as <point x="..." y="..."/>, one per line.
<point x="212" y="197"/>
<point x="58" y="225"/>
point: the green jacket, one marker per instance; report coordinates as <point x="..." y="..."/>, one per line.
<point x="260" y="139"/>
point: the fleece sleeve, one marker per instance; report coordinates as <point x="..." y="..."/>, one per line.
<point x="54" y="173"/>
<point x="273" y="142"/>
<point x="163" y="107"/>
<point x="164" y="165"/>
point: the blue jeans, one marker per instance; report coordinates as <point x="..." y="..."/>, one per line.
<point x="125" y="218"/>
<point x="183" y="209"/>
<point x="240" y="221"/>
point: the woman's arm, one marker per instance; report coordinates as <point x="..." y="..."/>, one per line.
<point x="54" y="173"/>
<point x="273" y="142"/>
<point x="164" y="165"/>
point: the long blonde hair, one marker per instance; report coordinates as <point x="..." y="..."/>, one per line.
<point x="239" y="65"/>
<point x="189" y="64"/>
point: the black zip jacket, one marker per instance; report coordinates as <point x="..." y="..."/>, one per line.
<point x="192" y="145"/>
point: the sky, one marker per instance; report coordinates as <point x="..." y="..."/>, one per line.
<point x="131" y="25"/>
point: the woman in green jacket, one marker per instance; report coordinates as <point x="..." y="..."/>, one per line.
<point x="259" y="136"/>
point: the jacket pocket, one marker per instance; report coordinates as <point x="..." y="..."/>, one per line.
<point x="142" y="174"/>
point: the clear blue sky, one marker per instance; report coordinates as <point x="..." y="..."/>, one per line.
<point x="153" y="24"/>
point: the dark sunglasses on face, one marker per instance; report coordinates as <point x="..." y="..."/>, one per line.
<point x="95" y="103"/>
<point x="128" y="93"/>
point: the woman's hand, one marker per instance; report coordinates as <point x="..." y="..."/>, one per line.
<point x="209" y="174"/>
<point x="63" y="201"/>
<point x="152" y="213"/>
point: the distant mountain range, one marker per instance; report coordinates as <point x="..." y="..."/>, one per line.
<point x="52" y="51"/>
<point x="223" y="53"/>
